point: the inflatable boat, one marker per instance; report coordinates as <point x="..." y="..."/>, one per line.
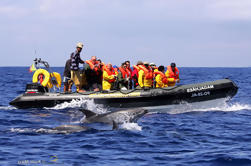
<point x="36" y="96"/>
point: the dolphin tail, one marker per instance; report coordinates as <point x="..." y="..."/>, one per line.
<point x="114" y="125"/>
<point x="87" y="113"/>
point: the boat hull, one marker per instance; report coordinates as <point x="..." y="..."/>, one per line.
<point x="135" y="98"/>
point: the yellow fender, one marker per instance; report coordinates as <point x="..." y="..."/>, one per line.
<point x="57" y="77"/>
<point x="46" y="76"/>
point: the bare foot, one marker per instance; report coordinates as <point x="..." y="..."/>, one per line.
<point x="81" y="91"/>
<point x="96" y="89"/>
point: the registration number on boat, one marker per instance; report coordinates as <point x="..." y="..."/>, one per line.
<point x="199" y="94"/>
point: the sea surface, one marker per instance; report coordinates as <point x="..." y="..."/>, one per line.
<point x="217" y="133"/>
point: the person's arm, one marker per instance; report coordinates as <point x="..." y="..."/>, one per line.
<point x="80" y="60"/>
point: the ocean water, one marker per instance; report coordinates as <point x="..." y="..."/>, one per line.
<point x="214" y="133"/>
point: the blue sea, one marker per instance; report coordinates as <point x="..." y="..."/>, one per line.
<point x="215" y="133"/>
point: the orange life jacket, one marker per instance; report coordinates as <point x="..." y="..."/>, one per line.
<point x="92" y="65"/>
<point x="164" y="78"/>
<point x="148" y="72"/>
<point x="172" y="74"/>
<point x="129" y="71"/>
<point x="110" y="72"/>
<point x="125" y="72"/>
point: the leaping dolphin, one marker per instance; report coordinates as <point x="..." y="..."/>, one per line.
<point x="114" y="118"/>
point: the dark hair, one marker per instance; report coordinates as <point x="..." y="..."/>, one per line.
<point x="161" y="68"/>
<point x="99" y="60"/>
<point x="139" y="63"/>
<point x="127" y="61"/>
<point x="173" y="65"/>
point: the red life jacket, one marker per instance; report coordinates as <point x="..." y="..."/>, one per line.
<point x="164" y="78"/>
<point x="148" y="72"/>
<point x="125" y="72"/>
<point x="135" y="74"/>
<point x="136" y="69"/>
<point x="172" y="74"/>
<point x="110" y="72"/>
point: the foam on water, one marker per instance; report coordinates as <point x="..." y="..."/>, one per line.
<point x="41" y="131"/>
<point x="212" y="105"/>
<point x="228" y="107"/>
<point x="80" y="103"/>
<point x="131" y="126"/>
<point x="7" y="108"/>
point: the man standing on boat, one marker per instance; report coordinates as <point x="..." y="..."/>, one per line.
<point x="67" y="76"/>
<point x="75" y="72"/>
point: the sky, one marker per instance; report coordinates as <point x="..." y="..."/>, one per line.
<point x="191" y="33"/>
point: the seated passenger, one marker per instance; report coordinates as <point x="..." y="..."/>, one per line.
<point x="92" y="72"/>
<point x="129" y="70"/>
<point x="172" y="74"/>
<point x="135" y="73"/>
<point x="109" y="77"/>
<point x="161" y="79"/>
<point x="123" y="77"/>
<point x="100" y="65"/>
<point x="145" y="76"/>
<point x="153" y="66"/>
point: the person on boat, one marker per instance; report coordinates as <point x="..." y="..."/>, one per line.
<point x="100" y="65"/>
<point x="92" y="71"/>
<point x="123" y="77"/>
<point x="161" y="79"/>
<point x="172" y="74"/>
<point x="129" y="71"/>
<point x="67" y="76"/>
<point x="135" y="73"/>
<point x="145" y="76"/>
<point x="75" y="72"/>
<point x="153" y="66"/>
<point x="109" y="77"/>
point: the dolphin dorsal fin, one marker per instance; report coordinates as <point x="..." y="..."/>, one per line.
<point x="87" y="113"/>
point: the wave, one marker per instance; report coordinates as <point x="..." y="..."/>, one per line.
<point x="42" y="131"/>
<point x="213" y="105"/>
<point x="80" y="103"/>
<point x="131" y="126"/>
<point x="7" y="108"/>
<point x="66" y="130"/>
